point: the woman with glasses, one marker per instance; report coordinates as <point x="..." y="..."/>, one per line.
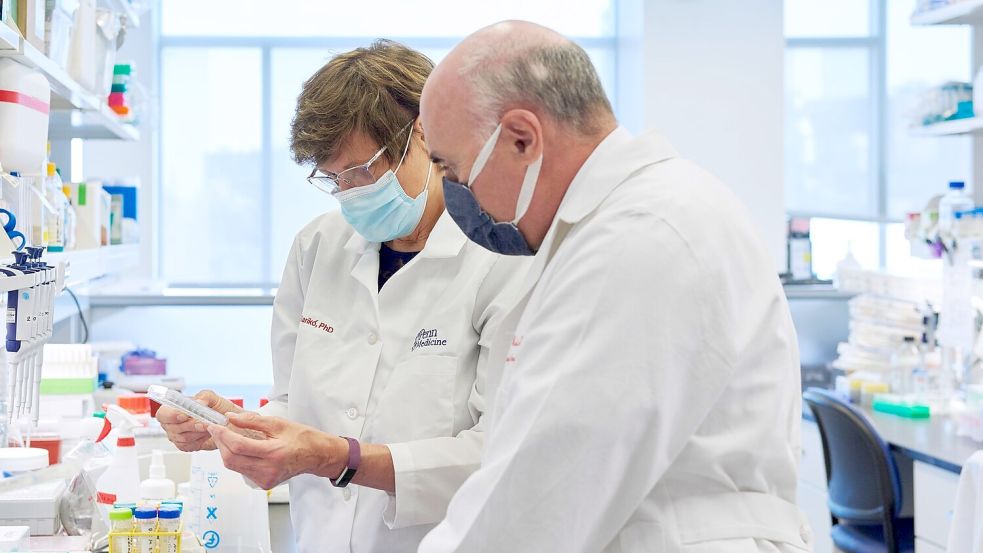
<point x="381" y="327"/>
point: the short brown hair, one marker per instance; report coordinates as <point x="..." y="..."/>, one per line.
<point x="374" y="90"/>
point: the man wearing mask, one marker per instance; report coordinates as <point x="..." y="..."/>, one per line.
<point x="649" y="398"/>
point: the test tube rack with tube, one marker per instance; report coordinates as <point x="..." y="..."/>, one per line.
<point x="31" y="286"/>
<point x="165" y="537"/>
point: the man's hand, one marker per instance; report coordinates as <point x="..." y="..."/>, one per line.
<point x="289" y="449"/>
<point x="185" y="432"/>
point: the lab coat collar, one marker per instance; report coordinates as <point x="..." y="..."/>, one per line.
<point x="616" y="158"/>
<point x="445" y="240"/>
<point x="613" y="160"/>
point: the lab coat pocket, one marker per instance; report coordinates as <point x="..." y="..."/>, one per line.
<point x="418" y="401"/>
<point x="723" y="522"/>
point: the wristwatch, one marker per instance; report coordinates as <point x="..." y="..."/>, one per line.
<point x="354" y="460"/>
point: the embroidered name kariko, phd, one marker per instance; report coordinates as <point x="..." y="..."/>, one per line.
<point x="317" y="324"/>
<point x="427" y="338"/>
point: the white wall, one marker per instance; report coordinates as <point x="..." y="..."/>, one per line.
<point x="713" y="84"/>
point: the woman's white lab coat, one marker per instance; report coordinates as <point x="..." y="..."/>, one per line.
<point x="404" y="366"/>
<point x="650" y="394"/>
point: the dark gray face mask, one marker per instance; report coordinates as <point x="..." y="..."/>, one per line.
<point x="478" y="226"/>
<point x="499" y="237"/>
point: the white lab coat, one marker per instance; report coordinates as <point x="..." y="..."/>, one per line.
<point x="404" y="366"/>
<point x="650" y="395"/>
<point x="966" y="532"/>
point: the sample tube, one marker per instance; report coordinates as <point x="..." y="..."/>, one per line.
<point x="121" y="520"/>
<point x="146" y="523"/>
<point x="169" y="517"/>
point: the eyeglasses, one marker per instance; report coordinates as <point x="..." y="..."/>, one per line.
<point x="353" y="177"/>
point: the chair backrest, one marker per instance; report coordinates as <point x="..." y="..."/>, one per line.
<point x="864" y="486"/>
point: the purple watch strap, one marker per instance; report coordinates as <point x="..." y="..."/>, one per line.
<point x="354" y="460"/>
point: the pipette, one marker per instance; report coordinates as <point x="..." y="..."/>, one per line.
<point x="172" y="398"/>
<point x="20" y="310"/>
<point x="34" y="397"/>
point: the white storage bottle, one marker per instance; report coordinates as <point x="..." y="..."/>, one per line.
<point x="121" y="481"/>
<point x="954" y="201"/>
<point x="158" y="486"/>
<point x="25" y="101"/>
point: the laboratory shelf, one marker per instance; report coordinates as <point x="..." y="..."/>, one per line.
<point x="960" y="12"/>
<point x="970" y="125"/>
<point x="815" y="292"/>
<point x="96" y="120"/>
<point x="90" y="124"/>
<point x="184" y="297"/>
<point x="9" y="38"/>
<point x="87" y="265"/>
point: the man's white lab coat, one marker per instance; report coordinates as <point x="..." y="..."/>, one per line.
<point x="650" y="398"/>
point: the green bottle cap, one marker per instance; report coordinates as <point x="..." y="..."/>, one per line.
<point x="122" y="513"/>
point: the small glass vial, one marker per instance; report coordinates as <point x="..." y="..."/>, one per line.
<point x="169" y="518"/>
<point x="121" y="520"/>
<point x="145" y="519"/>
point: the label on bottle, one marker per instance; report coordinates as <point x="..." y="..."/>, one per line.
<point x="105" y="498"/>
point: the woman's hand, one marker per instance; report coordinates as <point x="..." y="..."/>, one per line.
<point x="186" y="433"/>
<point x="286" y="449"/>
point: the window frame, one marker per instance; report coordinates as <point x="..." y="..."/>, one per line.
<point x="876" y="45"/>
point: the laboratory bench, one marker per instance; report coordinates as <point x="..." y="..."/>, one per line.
<point x="929" y="454"/>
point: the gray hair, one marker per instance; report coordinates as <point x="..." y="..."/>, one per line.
<point x="556" y="76"/>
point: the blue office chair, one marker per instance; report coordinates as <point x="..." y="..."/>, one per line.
<point x="864" y="486"/>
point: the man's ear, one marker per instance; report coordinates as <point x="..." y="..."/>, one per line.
<point x="523" y="133"/>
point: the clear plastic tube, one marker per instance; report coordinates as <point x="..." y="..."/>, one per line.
<point x="185" y="404"/>
<point x="145" y="520"/>
<point x="170" y="521"/>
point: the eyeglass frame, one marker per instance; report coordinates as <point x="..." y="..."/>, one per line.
<point x="335" y="185"/>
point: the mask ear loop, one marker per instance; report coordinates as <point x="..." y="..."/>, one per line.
<point x="527" y="190"/>
<point x="426" y="182"/>
<point x="483" y="155"/>
<point x="400" y="164"/>
<point x="405" y="148"/>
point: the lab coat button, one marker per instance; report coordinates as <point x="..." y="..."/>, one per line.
<point x="352" y="413"/>
<point x="347" y="493"/>
<point x="373" y="339"/>
<point x="805" y="533"/>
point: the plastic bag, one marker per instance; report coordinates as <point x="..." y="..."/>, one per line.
<point x="79" y="512"/>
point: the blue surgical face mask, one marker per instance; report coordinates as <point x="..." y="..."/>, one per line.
<point x="480" y="228"/>
<point x="382" y="211"/>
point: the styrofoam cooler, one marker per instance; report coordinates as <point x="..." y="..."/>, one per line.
<point x="25" y="102"/>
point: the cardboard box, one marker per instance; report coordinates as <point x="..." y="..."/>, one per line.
<point x="30" y="21"/>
